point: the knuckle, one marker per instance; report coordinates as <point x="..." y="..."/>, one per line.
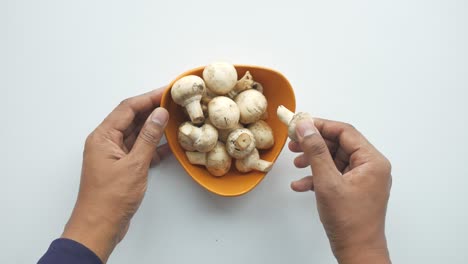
<point x="113" y="135"/>
<point x="126" y="102"/>
<point x="348" y="126"/>
<point x="89" y="140"/>
<point x="387" y="164"/>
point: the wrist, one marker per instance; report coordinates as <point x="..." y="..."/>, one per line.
<point x="362" y="254"/>
<point x="92" y="230"/>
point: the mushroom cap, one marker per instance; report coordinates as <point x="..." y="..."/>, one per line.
<point x="240" y="143"/>
<point x="185" y="129"/>
<point x="220" y="77"/>
<point x="187" y="89"/>
<point x="252" y="105"/>
<point x="207" y="140"/>
<point x="292" y="125"/>
<point x="223" y="112"/>
<point x="263" y="134"/>
<point x="218" y="161"/>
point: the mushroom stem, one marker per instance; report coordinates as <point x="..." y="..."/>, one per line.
<point x="243" y="141"/>
<point x="284" y="114"/>
<point x="240" y="143"/>
<point x="262" y="165"/>
<point x="243" y="84"/>
<point x="253" y="162"/>
<point x="196" y="112"/>
<point x="217" y="161"/>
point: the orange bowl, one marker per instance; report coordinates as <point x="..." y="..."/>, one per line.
<point x="277" y="90"/>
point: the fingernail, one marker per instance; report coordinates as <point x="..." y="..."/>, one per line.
<point x="305" y="128"/>
<point x="160" y="116"/>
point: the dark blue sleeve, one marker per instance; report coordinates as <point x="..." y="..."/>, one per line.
<point x="67" y="251"/>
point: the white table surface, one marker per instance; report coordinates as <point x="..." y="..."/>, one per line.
<point x="397" y="70"/>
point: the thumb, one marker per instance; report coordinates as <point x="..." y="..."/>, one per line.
<point x="316" y="150"/>
<point x="150" y="135"/>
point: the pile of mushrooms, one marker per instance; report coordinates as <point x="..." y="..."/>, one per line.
<point x="226" y="120"/>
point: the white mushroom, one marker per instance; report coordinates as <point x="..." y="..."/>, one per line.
<point x="223" y="112"/>
<point x="204" y="109"/>
<point x="290" y="119"/>
<point x="263" y="134"/>
<point x="252" y="105"/>
<point x="207" y="96"/>
<point x="257" y="86"/>
<point x="240" y="143"/>
<point x="224" y="133"/>
<point x="217" y="161"/>
<point x="202" y="139"/>
<point x="245" y="83"/>
<point x="253" y="162"/>
<point x="220" y="77"/>
<point x="187" y="92"/>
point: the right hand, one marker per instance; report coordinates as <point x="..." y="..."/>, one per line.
<point x="352" y="182"/>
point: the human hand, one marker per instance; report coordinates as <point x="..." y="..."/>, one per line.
<point x="116" y="159"/>
<point x="352" y="182"/>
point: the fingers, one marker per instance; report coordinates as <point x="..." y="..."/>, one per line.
<point x="316" y="152"/>
<point x="162" y="152"/>
<point x="148" y="139"/>
<point x="303" y="185"/>
<point x="347" y="137"/>
<point x="354" y="146"/>
<point x="301" y="161"/>
<point x="123" y="115"/>
<point x="341" y="160"/>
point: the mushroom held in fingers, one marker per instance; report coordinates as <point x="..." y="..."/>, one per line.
<point x="202" y="139"/>
<point x="223" y="112"/>
<point x="263" y="134"/>
<point x="220" y="77"/>
<point x="217" y="161"/>
<point x="290" y="119"/>
<point x="187" y="92"/>
<point x="252" y="105"/>
<point x="240" y="143"/>
<point x="253" y="162"/>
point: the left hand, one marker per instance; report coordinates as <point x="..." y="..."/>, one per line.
<point x="117" y="156"/>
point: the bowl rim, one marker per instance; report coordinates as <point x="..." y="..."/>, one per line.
<point x="164" y="100"/>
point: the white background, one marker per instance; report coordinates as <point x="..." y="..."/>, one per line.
<point x="397" y="70"/>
